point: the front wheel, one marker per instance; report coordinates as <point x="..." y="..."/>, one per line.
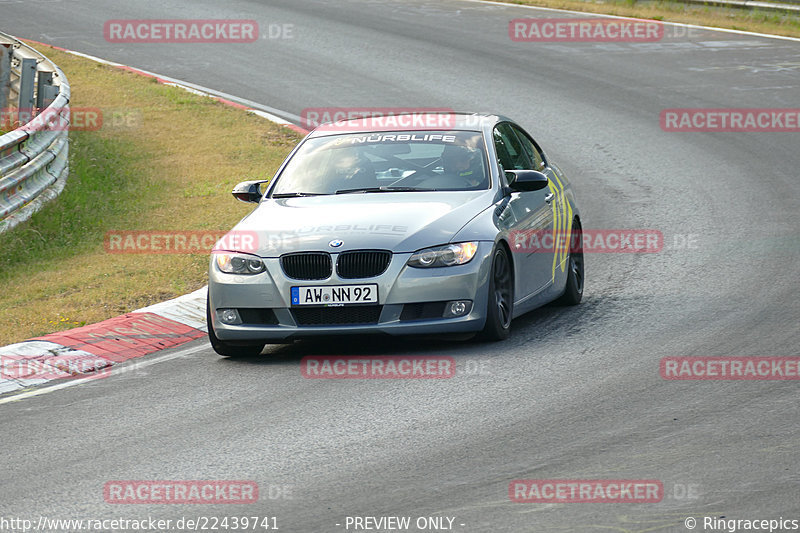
<point x="573" y="292"/>
<point x="227" y="349"/>
<point x="500" y="304"/>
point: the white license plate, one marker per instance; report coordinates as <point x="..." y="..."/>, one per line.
<point x="335" y="295"/>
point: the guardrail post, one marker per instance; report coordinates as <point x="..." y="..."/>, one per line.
<point x="46" y="92"/>
<point x="27" y="79"/>
<point x="5" y="77"/>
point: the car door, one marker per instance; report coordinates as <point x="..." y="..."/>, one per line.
<point x="562" y="213"/>
<point x="532" y="217"/>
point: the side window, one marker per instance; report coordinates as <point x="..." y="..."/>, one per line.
<point x="509" y="150"/>
<point x="531" y="150"/>
<point x="502" y="153"/>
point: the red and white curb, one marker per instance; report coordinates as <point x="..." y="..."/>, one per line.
<point x="94" y="349"/>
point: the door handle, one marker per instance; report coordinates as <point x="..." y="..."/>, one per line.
<point x="548" y="197"/>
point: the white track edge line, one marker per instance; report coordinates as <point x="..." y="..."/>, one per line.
<point x="192" y="87"/>
<point x="684" y="24"/>
<point x="114" y="371"/>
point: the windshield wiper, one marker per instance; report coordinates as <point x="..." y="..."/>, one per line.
<point x="383" y="189"/>
<point x="296" y="194"/>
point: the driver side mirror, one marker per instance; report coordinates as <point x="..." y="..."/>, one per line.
<point x="526" y="180"/>
<point x="249" y="191"/>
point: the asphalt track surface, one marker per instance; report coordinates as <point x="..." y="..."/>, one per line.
<point x="574" y="393"/>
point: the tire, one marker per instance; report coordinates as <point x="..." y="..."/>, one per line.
<point x="227" y="349"/>
<point x="500" y="303"/>
<point x="573" y="292"/>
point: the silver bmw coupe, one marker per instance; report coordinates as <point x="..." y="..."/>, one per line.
<point x="402" y="224"/>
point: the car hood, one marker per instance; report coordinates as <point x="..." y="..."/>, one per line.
<point x="396" y="221"/>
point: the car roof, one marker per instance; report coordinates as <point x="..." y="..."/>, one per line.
<point x="411" y="121"/>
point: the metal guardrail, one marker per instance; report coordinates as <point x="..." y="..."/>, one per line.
<point x="34" y="99"/>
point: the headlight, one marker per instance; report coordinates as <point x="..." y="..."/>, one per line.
<point x="239" y="264"/>
<point x="442" y="256"/>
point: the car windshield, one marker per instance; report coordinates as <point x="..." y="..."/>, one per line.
<point x="385" y="162"/>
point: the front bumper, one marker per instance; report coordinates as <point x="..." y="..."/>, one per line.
<point x="264" y="301"/>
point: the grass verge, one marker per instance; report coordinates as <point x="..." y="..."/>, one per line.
<point x="755" y="20"/>
<point x="164" y="159"/>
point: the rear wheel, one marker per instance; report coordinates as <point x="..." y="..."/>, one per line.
<point x="225" y="348"/>
<point x="573" y="292"/>
<point x="500" y="304"/>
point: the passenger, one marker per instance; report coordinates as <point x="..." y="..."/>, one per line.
<point x="353" y="170"/>
<point x="461" y="162"/>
